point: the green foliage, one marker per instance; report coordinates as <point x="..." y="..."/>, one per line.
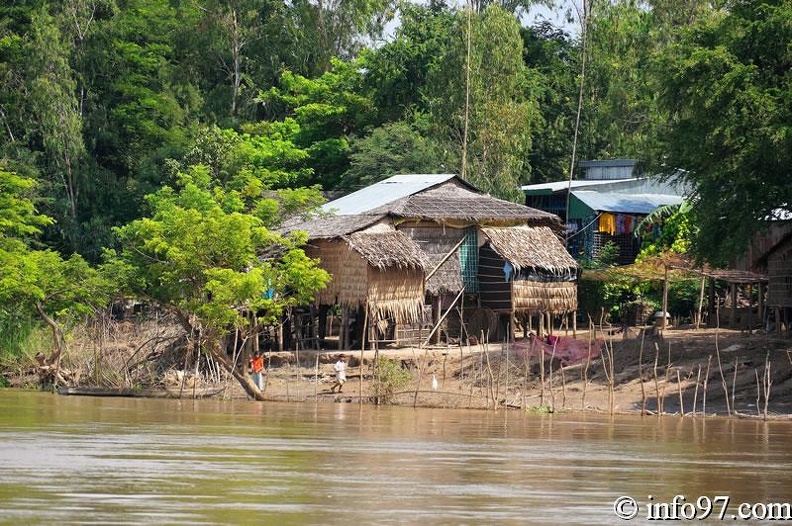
<point x="38" y="282"/>
<point x="727" y="88"/>
<point x="683" y="297"/>
<point x="259" y="171"/>
<point x="393" y="148"/>
<point x="608" y="257"/>
<point x="676" y="228"/>
<point x="501" y="109"/>
<point x="553" y="56"/>
<point x="210" y="260"/>
<point x="327" y="109"/>
<point x="621" y="110"/>
<point x="18" y="216"/>
<point x="388" y="379"/>
<point x="16" y="328"/>
<point x="398" y="71"/>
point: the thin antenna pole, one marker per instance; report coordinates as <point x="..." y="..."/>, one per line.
<point x="467" y="92"/>
<point x="583" y="54"/>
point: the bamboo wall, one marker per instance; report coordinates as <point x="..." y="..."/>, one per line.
<point x="535" y="297"/>
<point x="779" y="273"/>
<point x="347" y="269"/>
<point x="393" y="292"/>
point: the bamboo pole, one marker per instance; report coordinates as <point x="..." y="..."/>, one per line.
<point x="664" y="313"/>
<point x="443" y="317"/>
<point x="362" y="348"/>
<point x="695" y="394"/>
<point x="701" y="302"/>
<point x="316" y="378"/>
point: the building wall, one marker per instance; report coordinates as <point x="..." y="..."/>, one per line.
<point x="494" y="290"/>
<point x="779" y="272"/>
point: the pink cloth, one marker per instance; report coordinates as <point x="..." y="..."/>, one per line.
<point x="569" y="350"/>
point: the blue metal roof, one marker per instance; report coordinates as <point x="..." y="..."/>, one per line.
<point x="625" y="203"/>
<point x="384" y="192"/>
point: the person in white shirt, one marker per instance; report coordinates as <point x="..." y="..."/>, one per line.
<point x="340" y="369"/>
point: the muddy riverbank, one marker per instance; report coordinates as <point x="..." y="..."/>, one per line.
<point x="683" y="371"/>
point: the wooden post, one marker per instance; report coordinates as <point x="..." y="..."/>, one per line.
<point x="700" y="307"/>
<point x="713" y="308"/>
<point x="343" y="330"/>
<point x="436" y="307"/>
<point x="664" y="314"/>
<point x="760" y="306"/>
<point x="778" y="321"/>
<point x="322" y="328"/>
<point x="574" y="324"/>
<point x="733" y="313"/>
<point x="362" y="348"/>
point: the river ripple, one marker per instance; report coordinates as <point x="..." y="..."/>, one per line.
<point x="82" y="460"/>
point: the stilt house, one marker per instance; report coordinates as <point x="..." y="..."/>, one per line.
<point x="450" y="253"/>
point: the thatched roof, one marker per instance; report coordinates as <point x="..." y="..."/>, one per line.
<point x="387" y="249"/>
<point x="679" y="269"/>
<point x="531" y="247"/>
<point x="328" y="227"/>
<point x="454" y="202"/>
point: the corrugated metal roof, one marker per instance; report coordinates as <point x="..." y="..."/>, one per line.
<point x="625" y="203"/>
<point x="563" y="185"/>
<point x="384" y="192"/>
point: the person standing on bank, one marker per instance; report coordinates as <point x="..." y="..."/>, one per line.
<point x="340" y="370"/>
<point x="257" y="369"/>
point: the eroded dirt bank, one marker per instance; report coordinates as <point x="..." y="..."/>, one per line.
<point x="712" y="371"/>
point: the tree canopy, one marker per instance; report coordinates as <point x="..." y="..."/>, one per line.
<point x="728" y="94"/>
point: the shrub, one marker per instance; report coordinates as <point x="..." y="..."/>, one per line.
<point x="388" y="379"/>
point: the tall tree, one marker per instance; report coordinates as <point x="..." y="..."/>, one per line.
<point x="397" y="72"/>
<point x="619" y="97"/>
<point x="729" y="95"/>
<point x="555" y="57"/>
<point x="394" y="148"/>
<point x="337" y="28"/>
<point x="203" y="256"/>
<point x="55" y="108"/>
<point x="41" y="282"/>
<point x="328" y="109"/>
<point x="484" y="100"/>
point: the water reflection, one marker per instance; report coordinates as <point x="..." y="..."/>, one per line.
<point x="109" y="460"/>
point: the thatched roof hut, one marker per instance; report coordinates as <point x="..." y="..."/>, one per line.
<point x="525" y="269"/>
<point x="383" y="270"/>
<point x="372" y="240"/>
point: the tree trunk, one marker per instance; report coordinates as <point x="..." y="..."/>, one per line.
<point x="240" y="373"/>
<point x="50" y="366"/>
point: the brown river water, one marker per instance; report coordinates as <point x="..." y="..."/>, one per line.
<point x="83" y="460"/>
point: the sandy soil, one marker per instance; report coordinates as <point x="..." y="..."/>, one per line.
<point x="712" y="371"/>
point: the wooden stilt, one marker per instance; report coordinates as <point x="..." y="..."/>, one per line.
<point x="733" y="312"/>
